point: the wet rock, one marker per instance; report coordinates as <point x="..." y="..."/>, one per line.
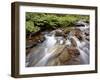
<point x="76" y="52"/>
<point x="66" y="31"/>
<point x="87" y="39"/>
<point x="73" y="61"/>
<point x="28" y="51"/>
<point x="41" y="38"/>
<point x="64" y="57"/>
<point x="87" y="34"/>
<point x="35" y="40"/>
<point x="80" y="38"/>
<point x="61" y="58"/>
<point x="59" y="32"/>
<point x="78" y="34"/>
<point x="73" y="51"/>
<point x="73" y="42"/>
<point x="54" y="62"/>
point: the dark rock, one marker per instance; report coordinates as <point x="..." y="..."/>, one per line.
<point x="27" y="51"/>
<point x="78" y="34"/>
<point x="36" y="39"/>
<point x="73" y="51"/>
<point x="80" y="23"/>
<point x="74" y="44"/>
<point x="57" y="33"/>
<point x="87" y="34"/>
<point x="80" y="38"/>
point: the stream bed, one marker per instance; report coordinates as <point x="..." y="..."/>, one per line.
<point x="71" y="49"/>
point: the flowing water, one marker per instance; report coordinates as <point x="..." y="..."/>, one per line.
<point x="84" y="51"/>
<point x="41" y="54"/>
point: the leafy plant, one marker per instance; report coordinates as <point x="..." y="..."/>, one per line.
<point x="30" y="27"/>
<point x="37" y="21"/>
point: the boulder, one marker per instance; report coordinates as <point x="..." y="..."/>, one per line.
<point x="78" y="34"/>
<point x="36" y="39"/>
<point x="73" y="42"/>
<point x="59" y="33"/>
<point x="64" y="56"/>
<point x="73" y="51"/>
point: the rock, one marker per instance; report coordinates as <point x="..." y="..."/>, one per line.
<point x="54" y="62"/>
<point x="66" y="31"/>
<point x="80" y="38"/>
<point x="73" y="51"/>
<point x="64" y="57"/>
<point x="78" y="34"/>
<point x="59" y="33"/>
<point x="80" y="23"/>
<point x="41" y="38"/>
<point x="68" y="43"/>
<point x="35" y="40"/>
<point x="76" y="52"/>
<point x="73" y="61"/>
<point x="27" y="51"/>
<point x="88" y="39"/>
<point x="87" y="34"/>
<point x="73" y="42"/>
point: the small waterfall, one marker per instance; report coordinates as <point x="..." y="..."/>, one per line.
<point x="49" y="43"/>
<point x="84" y="59"/>
<point x="84" y="51"/>
<point x="50" y="40"/>
<point x="68" y="43"/>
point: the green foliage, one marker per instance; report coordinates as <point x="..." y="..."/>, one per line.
<point x="30" y="27"/>
<point x="37" y="21"/>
